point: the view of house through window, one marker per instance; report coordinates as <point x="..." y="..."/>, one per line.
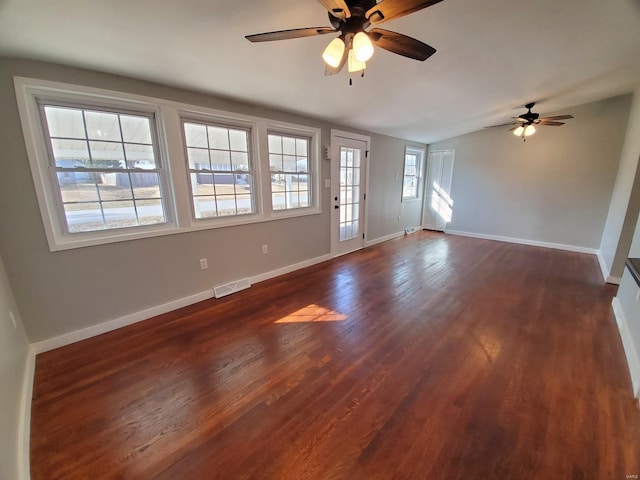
<point x="290" y="173"/>
<point x="220" y="170"/>
<point x="106" y="168"/>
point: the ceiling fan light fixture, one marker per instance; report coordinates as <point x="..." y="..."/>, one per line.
<point x="362" y="47"/>
<point x="332" y="55"/>
<point x="353" y="64"/>
<point x="518" y="131"/>
<point x="530" y="130"/>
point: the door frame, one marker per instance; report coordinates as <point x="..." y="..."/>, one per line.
<point x="335" y="183"/>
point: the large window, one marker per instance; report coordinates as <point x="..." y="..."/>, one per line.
<point x="110" y="166"/>
<point x="412" y="174"/>
<point x="290" y="172"/>
<point x="220" y="170"/>
<point x="105" y="167"/>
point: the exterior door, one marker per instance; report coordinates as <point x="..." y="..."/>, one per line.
<point x="348" y="177"/>
<point x="439" y="207"/>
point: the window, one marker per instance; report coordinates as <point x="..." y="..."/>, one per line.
<point x="412" y="174"/>
<point x="290" y="173"/>
<point x="111" y="166"/>
<point x="106" y="169"/>
<point x="220" y="170"/>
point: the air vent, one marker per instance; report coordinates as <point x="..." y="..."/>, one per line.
<point x="410" y="230"/>
<point x="233" y="287"/>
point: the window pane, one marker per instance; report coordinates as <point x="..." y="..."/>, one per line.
<point x="120" y="190"/>
<point x="240" y="161"/>
<point x="220" y="160"/>
<point x="119" y="214"/>
<point x="204" y="207"/>
<point x="77" y="187"/>
<point x="83" y="217"/>
<point x="195" y="135"/>
<point x="103" y="126"/>
<point x="288" y="146"/>
<point x="136" y="129"/>
<point x="302" y="147"/>
<point x="275" y="162"/>
<point x="202" y="184"/>
<point x="150" y="212"/>
<point x="218" y="138"/>
<point x="238" y="140"/>
<point x="226" y="205"/>
<point x="198" y="159"/>
<point x="106" y="155"/>
<point x="289" y="163"/>
<point x="275" y="144"/>
<point x="244" y="194"/>
<point x="302" y="164"/>
<point x="140" y="156"/>
<point x="64" y="122"/>
<point x="305" y="198"/>
<point x="70" y="153"/>
<point x="145" y="185"/>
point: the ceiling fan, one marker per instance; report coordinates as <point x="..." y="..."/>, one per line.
<point x="525" y="124"/>
<point x="354" y="45"/>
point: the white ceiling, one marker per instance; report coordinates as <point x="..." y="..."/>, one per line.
<point x="493" y="56"/>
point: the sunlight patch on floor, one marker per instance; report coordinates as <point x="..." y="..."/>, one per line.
<point x="312" y="313"/>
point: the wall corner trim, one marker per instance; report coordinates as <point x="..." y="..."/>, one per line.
<point x="630" y="352"/>
<point x="604" y="268"/>
<point x="524" y="241"/>
<point x="24" y="433"/>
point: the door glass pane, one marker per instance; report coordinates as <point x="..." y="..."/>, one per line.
<point x="349" y="193"/>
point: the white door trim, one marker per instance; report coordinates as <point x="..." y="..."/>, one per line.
<point x="335" y="182"/>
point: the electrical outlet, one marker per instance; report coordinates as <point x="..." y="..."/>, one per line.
<point x="13" y="320"/>
<point x="203" y="264"/>
<point x="265" y="249"/>
<point x="327" y="183"/>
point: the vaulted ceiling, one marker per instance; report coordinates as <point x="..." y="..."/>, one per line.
<point x="493" y="56"/>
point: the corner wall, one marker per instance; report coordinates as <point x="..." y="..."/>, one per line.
<point x="555" y="188"/>
<point x="14" y="382"/>
<point x="625" y="202"/>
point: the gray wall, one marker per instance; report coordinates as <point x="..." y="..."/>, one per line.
<point x="555" y="187"/>
<point x="625" y="202"/>
<point x="68" y="290"/>
<point x="385" y="182"/>
<point x="13" y="358"/>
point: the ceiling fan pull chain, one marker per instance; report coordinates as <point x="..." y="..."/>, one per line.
<point x="350" y="81"/>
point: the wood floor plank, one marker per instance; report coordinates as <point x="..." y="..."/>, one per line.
<point x="429" y="356"/>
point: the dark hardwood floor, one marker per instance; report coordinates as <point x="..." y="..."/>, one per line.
<point x="426" y="357"/>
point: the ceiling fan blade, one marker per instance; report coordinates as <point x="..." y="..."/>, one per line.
<point x="389" y="9"/>
<point x="558" y="117"/>
<point x="287" y="34"/>
<point x="329" y="70"/>
<point x="550" y="123"/>
<point x="337" y="8"/>
<point x="515" y="125"/>
<point x="401" y="44"/>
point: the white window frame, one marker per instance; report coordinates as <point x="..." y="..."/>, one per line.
<point x="172" y="156"/>
<point x="419" y="153"/>
<point x="33" y="93"/>
<point x="252" y="137"/>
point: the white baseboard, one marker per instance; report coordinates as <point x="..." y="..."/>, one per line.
<point x="108" y="326"/>
<point x="630" y="352"/>
<point x="604" y="268"/>
<point x="289" y="268"/>
<point x="614" y="280"/>
<point x="375" y="241"/>
<point x="84" y="333"/>
<point x="24" y="432"/>
<point x="522" y="241"/>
